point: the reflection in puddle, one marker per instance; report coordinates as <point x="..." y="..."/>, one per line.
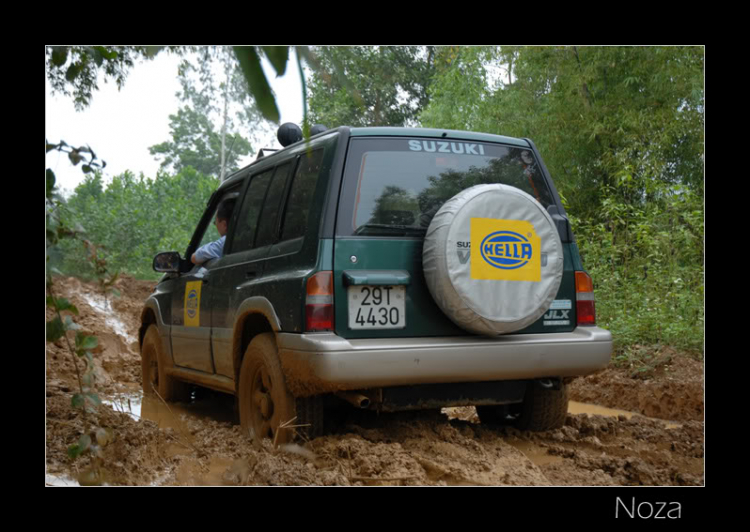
<point x="204" y="404"/>
<point x="584" y="408"/>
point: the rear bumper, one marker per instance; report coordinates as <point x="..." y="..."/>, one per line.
<point x="325" y="362"/>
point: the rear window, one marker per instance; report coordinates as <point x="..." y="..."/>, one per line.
<point x="394" y="187"/>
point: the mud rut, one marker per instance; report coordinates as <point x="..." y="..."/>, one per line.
<point x="200" y="443"/>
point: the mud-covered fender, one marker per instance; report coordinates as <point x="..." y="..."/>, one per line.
<point x="255" y="315"/>
<point x="152" y="314"/>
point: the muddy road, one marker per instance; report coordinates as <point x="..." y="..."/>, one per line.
<point x="623" y="428"/>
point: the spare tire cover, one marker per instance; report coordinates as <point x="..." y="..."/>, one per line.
<point x="493" y="259"/>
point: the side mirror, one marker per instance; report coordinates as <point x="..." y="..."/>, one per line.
<point x="168" y="262"/>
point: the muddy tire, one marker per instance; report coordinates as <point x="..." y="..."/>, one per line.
<point x="543" y="408"/>
<point x="154" y="365"/>
<point x="265" y="402"/>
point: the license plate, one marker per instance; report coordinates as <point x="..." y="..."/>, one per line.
<point x="377" y="307"/>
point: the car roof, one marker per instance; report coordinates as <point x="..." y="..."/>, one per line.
<point x="385" y="132"/>
<point x="435" y="133"/>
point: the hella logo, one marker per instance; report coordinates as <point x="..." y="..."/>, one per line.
<point x="506" y="250"/>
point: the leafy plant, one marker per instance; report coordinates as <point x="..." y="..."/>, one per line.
<point x="86" y="399"/>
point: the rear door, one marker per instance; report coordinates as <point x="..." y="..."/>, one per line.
<point x="240" y="272"/>
<point x="392" y="188"/>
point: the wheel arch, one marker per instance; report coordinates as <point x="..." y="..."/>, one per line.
<point x="255" y="316"/>
<point x="149" y="316"/>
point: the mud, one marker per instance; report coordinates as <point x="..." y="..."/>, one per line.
<point x="625" y="427"/>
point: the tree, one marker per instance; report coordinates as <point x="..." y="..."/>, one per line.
<point x="598" y="114"/>
<point x="74" y="70"/>
<point x="215" y="92"/>
<point x="370" y="85"/>
<point x="133" y="218"/>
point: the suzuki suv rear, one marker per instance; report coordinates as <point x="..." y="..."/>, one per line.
<point x="392" y="268"/>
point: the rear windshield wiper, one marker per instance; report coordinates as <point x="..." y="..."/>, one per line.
<point x="389" y="230"/>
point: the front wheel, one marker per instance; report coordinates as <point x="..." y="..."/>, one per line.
<point x="154" y="364"/>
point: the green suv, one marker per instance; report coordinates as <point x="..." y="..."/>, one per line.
<point x="391" y="268"/>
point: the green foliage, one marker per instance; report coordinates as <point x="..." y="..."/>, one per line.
<point x="134" y="218"/>
<point x="595" y="113"/>
<point x="621" y="131"/>
<point x="249" y="60"/>
<point x="74" y="70"/>
<point x="209" y="131"/>
<point x="197" y="143"/>
<point x="369" y="85"/>
<point x="460" y="89"/>
<point x="647" y="261"/>
<point x="57" y="329"/>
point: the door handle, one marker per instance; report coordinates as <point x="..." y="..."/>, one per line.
<point x="252" y="274"/>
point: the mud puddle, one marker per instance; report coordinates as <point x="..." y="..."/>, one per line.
<point x="203" y="406"/>
<point x="206" y="406"/>
<point x="200" y="442"/>
<point x="103" y="306"/>
<point x="574" y="407"/>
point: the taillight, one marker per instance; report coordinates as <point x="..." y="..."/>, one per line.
<point x="585" y="302"/>
<point x="319" y="302"/>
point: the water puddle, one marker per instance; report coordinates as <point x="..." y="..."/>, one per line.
<point x="59" y="480"/>
<point x="214" y="406"/>
<point x="204" y="404"/>
<point x="103" y="306"/>
<point x="575" y="407"/>
<point x="538" y="455"/>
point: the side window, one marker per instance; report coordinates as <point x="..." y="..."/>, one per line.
<point x="227" y="205"/>
<point x="269" y="216"/>
<point x="211" y="233"/>
<point x="301" y="194"/>
<point x="247" y="222"/>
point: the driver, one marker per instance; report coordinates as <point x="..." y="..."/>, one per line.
<point x="214" y="250"/>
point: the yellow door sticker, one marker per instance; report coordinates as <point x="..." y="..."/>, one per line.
<point x="509" y="250"/>
<point x="193" y="304"/>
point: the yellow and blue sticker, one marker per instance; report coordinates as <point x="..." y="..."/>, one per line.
<point x="509" y="250"/>
<point x="193" y="303"/>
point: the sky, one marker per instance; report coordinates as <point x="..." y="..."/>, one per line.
<point x="121" y="125"/>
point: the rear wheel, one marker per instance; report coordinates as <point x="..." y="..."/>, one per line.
<point x="265" y="403"/>
<point x="545" y="406"/>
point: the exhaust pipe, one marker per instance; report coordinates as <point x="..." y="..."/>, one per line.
<point x="356" y="399"/>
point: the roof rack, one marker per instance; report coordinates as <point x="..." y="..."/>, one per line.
<point x="265" y="151"/>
